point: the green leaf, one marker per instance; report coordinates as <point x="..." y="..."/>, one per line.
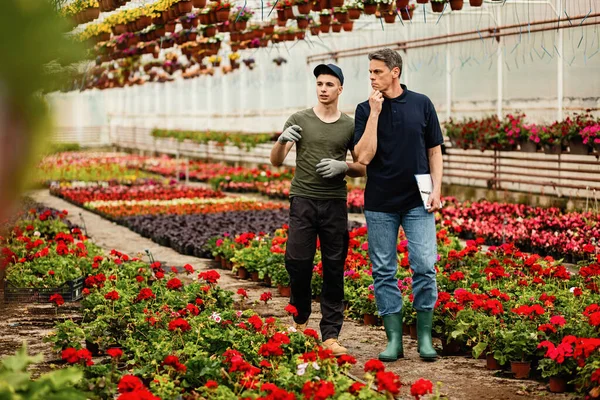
<point x="479" y="348"/>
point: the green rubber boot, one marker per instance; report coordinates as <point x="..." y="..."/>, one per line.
<point x="393" y="331"/>
<point x="424" y="326"/>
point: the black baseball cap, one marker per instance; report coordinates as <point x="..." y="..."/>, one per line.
<point x="329" y="69"/>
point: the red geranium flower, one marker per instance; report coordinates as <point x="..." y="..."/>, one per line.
<point x="388" y="381"/>
<point x="115" y="353"/>
<point x="356" y="388"/>
<point x="174" y="284"/>
<point x="211" y="384"/>
<point x="145" y="294"/>
<point x="188" y="268"/>
<point x="346" y="359"/>
<point x="266" y="296"/>
<point x="180" y="324"/>
<point x="242" y="292"/>
<point x="114" y="295"/>
<point x="291" y="309"/>
<point x="57" y="299"/>
<point x="130" y="383"/>
<point x="374" y="365"/>
<point x="211" y="276"/>
<point x="420" y="388"/>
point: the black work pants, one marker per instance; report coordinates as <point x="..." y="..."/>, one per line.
<point x="327" y="220"/>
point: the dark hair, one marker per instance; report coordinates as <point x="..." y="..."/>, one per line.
<point x="390" y="57"/>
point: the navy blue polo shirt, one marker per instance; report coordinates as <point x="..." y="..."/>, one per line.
<point x="408" y="126"/>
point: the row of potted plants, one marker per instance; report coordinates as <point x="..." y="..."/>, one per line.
<point x="145" y="330"/>
<point x="146" y="334"/>
<point x="90" y="166"/>
<point x="547" y="231"/>
<point x="502" y="304"/>
<point x="577" y="134"/>
<point x="238" y="139"/>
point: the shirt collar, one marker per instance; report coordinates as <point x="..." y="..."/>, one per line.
<point x="402" y="97"/>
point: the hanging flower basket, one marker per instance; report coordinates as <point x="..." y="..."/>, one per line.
<point x="389" y="17"/>
<point x="475" y="3"/>
<point x="304" y="8"/>
<point x="456" y="5"/>
<point x="437" y="6"/>
<point x="353" y="13"/>
<point x="370" y="9"/>
<point x="222" y="15"/>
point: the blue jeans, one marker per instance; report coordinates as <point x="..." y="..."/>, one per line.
<point x="419" y="226"/>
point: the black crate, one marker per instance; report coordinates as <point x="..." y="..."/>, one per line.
<point x="70" y="291"/>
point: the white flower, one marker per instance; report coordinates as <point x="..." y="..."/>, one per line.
<point x="215" y="317"/>
<point x="36" y="234"/>
<point x="292" y="329"/>
<point x="302" y="368"/>
<point x="572" y="289"/>
<point x="316" y="366"/>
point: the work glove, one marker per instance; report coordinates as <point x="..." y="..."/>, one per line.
<point x="291" y="134"/>
<point x="329" y="168"/>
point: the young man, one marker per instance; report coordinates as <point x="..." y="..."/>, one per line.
<point x="397" y="135"/>
<point x="322" y="135"/>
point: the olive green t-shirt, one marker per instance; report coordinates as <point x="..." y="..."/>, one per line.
<point x="320" y="140"/>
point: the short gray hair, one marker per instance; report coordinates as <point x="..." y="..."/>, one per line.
<point x="390" y="57"/>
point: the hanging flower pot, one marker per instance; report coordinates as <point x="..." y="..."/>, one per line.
<point x="370" y="9"/>
<point x="527" y="146"/>
<point x="558" y="384"/>
<point x="199" y="3"/>
<point x="520" y="369"/>
<point x="119" y="29"/>
<point x="304" y="8"/>
<point x="348" y="26"/>
<point x="210" y="31"/>
<point x="325" y="19"/>
<point x="437" y="6"/>
<point x="185" y="6"/>
<point x="383" y="7"/>
<point x="576" y="146"/>
<point x="456" y="5"/>
<point x="241" y="25"/>
<point x="204" y="19"/>
<point x="422" y="1"/>
<point x="555" y="148"/>
<point x="491" y="363"/>
<point x="475" y="3"/>
<point x="406" y="15"/>
<point x="341" y="16"/>
<point x="389" y="17"/>
<point x="354" y="13"/>
<point x="370" y="319"/>
<point x="170" y="27"/>
<point x="401" y="4"/>
<point x="92" y="13"/>
<point x="315" y="30"/>
<point x="336" y="27"/>
<point x="337" y="3"/>
<point x="325" y="28"/>
<point x="302" y="22"/>
<point x="289" y="13"/>
<point x="222" y="15"/>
